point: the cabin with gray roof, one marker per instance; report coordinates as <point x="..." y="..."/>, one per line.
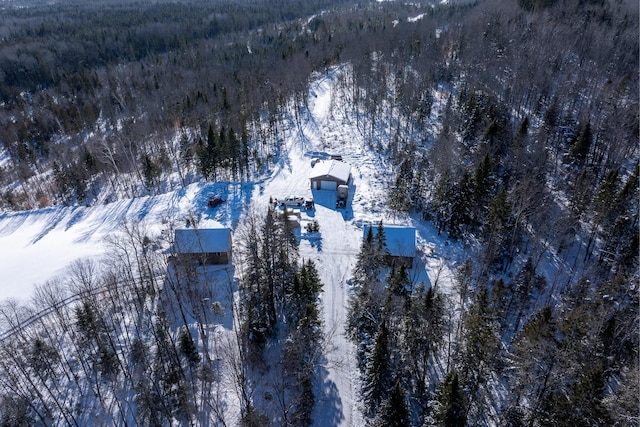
<point x="401" y="243"/>
<point x="203" y="246"/>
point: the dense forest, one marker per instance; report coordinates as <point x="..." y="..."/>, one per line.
<point x="536" y="153"/>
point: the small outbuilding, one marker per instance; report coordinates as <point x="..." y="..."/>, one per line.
<point x="401" y="243"/>
<point x="203" y="246"/>
<point x="329" y="174"/>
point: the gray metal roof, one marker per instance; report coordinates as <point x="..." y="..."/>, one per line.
<point x="202" y="240"/>
<point x="331" y="168"/>
<point x="401" y="240"/>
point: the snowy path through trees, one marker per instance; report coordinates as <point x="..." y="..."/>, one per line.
<point x="336" y="403"/>
<point x="333" y="250"/>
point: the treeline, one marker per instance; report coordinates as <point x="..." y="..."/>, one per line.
<point x="124" y="82"/>
<point x="47" y="45"/>
<point x="534" y="166"/>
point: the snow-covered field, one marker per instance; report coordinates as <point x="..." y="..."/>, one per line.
<point x="36" y="246"/>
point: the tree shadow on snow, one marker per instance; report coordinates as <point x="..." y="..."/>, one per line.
<point x="328" y="410"/>
<point x="314" y="239"/>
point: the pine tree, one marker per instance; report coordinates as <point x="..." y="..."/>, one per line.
<point x="498" y="222"/>
<point x="481" y="342"/>
<point x="462" y="201"/>
<point x="204" y="159"/>
<point x="449" y="407"/>
<point x="380" y="245"/>
<point x="425" y="327"/>
<point x="582" y="405"/>
<point x="393" y="411"/>
<point x="603" y="200"/>
<point x="234" y="152"/>
<point x="534" y="354"/>
<point x="150" y="171"/>
<point x="441" y="202"/>
<point x="188" y="348"/>
<point x="523" y="129"/>
<point x="482" y="182"/>
<point x="398" y="282"/>
<point x="377" y="378"/>
<point x="212" y="153"/>
<point x="580" y="148"/>
<point x="364" y="311"/>
<point x="526" y="287"/>
<point x="304" y="343"/>
<point x="399" y="197"/>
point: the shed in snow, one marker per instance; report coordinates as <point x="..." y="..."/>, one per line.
<point x="204" y="246"/>
<point x="401" y="243"/>
<point x="329" y="174"/>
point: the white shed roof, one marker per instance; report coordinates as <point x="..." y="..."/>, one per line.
<point x="331" y="168"/>
<point x="202" y="240"/>
<point x="401" y="240"/>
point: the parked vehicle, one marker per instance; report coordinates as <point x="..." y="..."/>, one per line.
<point x="309" y="204"/>
<point x="343" y="195"/>
<point x="292" y="201"/>
<point x="215" y="201"/>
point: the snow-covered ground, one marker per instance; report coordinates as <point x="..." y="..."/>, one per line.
<point x="35" y="246"/>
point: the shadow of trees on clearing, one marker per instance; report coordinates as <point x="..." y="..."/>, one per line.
<point x="328" y="410"/>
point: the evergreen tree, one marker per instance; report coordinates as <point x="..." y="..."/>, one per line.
<point x="441" y="202"/>
<point x="582" y="404"/>
<point x="150" y="171"/>
<point x="244" y="148"/>
<point x="234" y="153"/>
<point x="424" y="329"/>
<point x="580" y="148"/>
<point x="398" y="282"/>
<point x="399" y="197"/>
<point x="526" y="287"/>
<point x="481" y="344"/>
<point x="603" y="200"/>
<point x="523" y="129"/>
<point x="393" y="412"/>
<point x="463" y="198"/>
<point x="496" y="227"/>
<point x="303" y="348"/>
<point x="377" y="378"/>
<point x="449" y="407"/>
<point x="380" y="245"/>
<point x="364" y="311"/>
<point x="534" y="354"/>
<point x="188" y="348"/>
<point x="204" y="159"/>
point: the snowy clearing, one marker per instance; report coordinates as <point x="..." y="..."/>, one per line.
<point x="36" y="246"/>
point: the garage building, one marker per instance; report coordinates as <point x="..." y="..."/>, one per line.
<point x="329" y="174"/>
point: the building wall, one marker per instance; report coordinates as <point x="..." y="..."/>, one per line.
<point x="216" y="258"/>
<point x="211" y="258"/>
<point x="315" y="182"/>
<point x="397" y="261"/>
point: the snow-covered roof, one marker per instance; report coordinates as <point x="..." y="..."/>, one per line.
<point x="202" y="240"/>
<point x="331" y="168"/>
<point x="401" y="240"/>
